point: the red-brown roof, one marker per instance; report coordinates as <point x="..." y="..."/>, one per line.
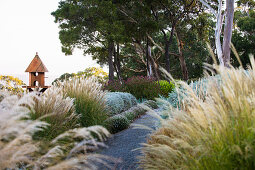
<point x="36" y="65"/>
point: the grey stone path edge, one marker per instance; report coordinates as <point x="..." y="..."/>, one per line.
<point x="123" y="144"/>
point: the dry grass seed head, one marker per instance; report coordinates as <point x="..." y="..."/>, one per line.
<point x="205" y="124"/>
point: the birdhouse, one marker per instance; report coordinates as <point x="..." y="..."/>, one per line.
<point x="36" y="70"/>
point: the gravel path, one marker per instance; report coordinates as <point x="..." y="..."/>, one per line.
<point x="122" y="144"/>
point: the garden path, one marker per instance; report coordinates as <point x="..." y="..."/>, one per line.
<point x="123" y="145"/>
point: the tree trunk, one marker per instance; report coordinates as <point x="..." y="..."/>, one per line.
<point x="167" y="59"/>
<point x="167" y="45"/>
<point x="117" y="62"/>
<point x="181" y="59"/>
<point x="154" y="67"/>
<point x="228" y="32"/>
<point x="110" y="62"/>
<point x="148" y="56"/>
<point x="151" y="60"/>
<point x="218" y="28"/>
<point x="218" y="33"/>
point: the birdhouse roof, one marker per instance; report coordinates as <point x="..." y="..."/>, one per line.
<point x="36" y="65"/>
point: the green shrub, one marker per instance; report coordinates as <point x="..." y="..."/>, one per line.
<point x="88" y="99"/>
<point x="139" y="110"/>
<point x="134" y="112"/>
<point x="151" y="103"/>
<point x="142" y="87"/>
<point x="139" y="86"/>
<point x="118" y="102"/>
<point x="115" y="86"/>
<point x="165" y="87"/>
<point x="117" y="123"/>
<point x="130" y="115"/>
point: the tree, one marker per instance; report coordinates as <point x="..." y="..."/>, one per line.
<point x="223" y="52"/>
<point x="87" y="24"/>
<point x="244" y="31"/>
<point x="98" y="73"/>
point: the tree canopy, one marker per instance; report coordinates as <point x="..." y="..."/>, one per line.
<point x="137" y="37"/>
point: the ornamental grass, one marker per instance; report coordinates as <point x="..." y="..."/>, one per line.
<point x="18" y="149"/>
<point x="88" y="99"/>
<point x="55" y="108"/>
<point x="216" y="131"/>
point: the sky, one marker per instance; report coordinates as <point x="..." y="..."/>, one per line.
<point x="27" y="27"/>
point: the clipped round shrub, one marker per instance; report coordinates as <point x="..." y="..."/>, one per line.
<point x="117" y="123"/>
<point x="118" y="102"/>
<point x="165" y="87"/>
<point x="130" y="115"/>
<point x="134" y="112"/>
<point x="151" y="103"/>
<point x="139" y="110"/>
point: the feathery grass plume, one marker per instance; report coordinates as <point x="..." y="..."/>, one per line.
<point x="89" y="99"/>
<point x="73" y="144"/>
<point x="3" y="94"/>
<point x="216" y="132"/>
<point x="16" y="144"/>
<point x="86" y="162"/>
<point x="56" y="109"/>
<point x="19" y="150"/>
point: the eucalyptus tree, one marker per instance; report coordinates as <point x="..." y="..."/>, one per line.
<point x="87" y="25"/>
<point x="223" y="49"/>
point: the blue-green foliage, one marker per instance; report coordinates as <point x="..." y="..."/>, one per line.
<point x="118" y="102"/>
<point x="151" y="103"/>
<point x="134" y="112"/>
<point x="121" y="121"/>
<point x="200" y="87"/>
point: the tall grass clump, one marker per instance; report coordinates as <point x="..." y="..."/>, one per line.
<point x="64" y="118"/>
<point x="88" y="99"/>
<point x="212" y="132"/>
<point x="18" y="149"/>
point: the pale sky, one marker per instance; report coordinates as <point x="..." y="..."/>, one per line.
<point x="27" y="27"/>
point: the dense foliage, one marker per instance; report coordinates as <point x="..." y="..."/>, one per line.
<point x="121" y="121"/>
<point x="117" y="123"/>
<point x="165" y="87"/>
<point x="244" y="35"/>
<point x="137" y="37"/>
<point x="117" y="102"/>
<point x="139" y="86"/>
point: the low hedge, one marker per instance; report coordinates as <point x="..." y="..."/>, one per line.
<point x="118" y="102"/>
<point x="122" y="121"/>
